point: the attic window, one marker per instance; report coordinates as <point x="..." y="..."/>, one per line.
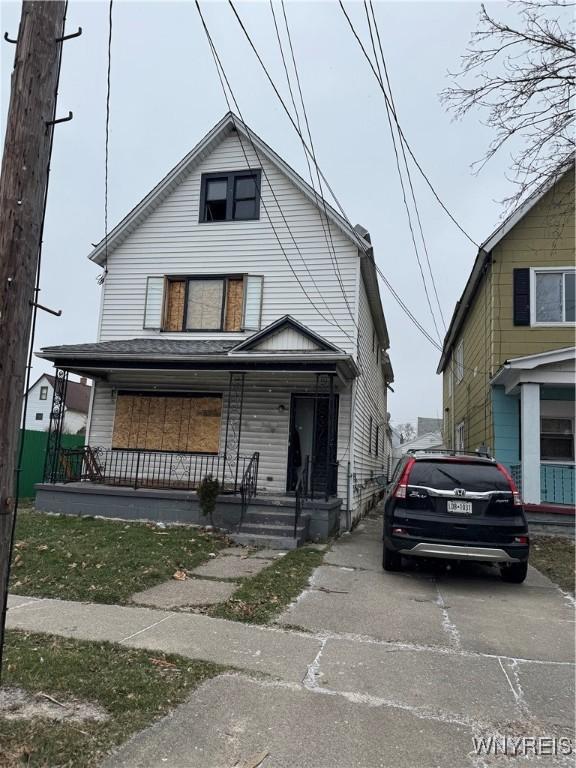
<point x="230" y="196"/>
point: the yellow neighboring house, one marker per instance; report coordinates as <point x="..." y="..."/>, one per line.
<point x="508" y="359"/>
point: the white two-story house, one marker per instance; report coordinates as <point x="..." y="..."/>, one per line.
<point x="241" y="335"/>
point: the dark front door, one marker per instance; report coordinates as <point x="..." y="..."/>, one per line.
<point x="313" y="441"/>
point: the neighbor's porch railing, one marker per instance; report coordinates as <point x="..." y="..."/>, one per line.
<point x="149" y="469"/>
<point x="557" y="483"/>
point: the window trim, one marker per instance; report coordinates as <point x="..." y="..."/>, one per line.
<point x="230" y="177"/>
<point x="461" y="427"/>
<point x="371" y="423"/>
<point x="186" y="280"/>
<point x="568" y="462"/>
<point x="459" y="365"/>
<point x="534" y="271"/>
<point x="43" y="390"/>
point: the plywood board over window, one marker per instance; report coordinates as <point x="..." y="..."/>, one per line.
<point x="161" y="422"/>
<point x="234" y="304"/>
<point x="175" y="296"/>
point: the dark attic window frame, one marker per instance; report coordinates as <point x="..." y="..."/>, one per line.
<point x="232" y="197"/>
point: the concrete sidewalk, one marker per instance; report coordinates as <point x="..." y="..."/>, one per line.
<point x="394" y="671"/>
<point x="284" y="655"/>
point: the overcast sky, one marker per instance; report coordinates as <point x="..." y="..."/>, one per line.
<point x="165" y="96"/>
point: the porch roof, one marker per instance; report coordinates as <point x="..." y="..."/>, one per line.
<point x="98" y="358"/>
<point x="555" y="367"/>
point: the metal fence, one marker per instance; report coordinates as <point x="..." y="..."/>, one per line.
<point x="149" y="469"/>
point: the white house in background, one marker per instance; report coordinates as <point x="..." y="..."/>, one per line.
<point x="76" y="406"/>
<point x="428" y="441"/>
<point x="241" y="335"/>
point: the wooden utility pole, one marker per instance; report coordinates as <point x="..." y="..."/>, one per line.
<point x="23" y="185"/>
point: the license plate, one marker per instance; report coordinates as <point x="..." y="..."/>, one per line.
<point x="462" y="507"/>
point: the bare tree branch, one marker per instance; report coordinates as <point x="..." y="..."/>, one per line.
<point x="522" y="77"/>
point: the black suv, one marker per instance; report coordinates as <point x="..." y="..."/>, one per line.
<point x="457" y="506"/>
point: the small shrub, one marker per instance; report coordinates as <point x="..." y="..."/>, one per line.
<point x="208" y="491"/>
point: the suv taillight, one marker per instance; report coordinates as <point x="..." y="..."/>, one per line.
<point x="400" y="490"/>
<point x="515" y="492"/>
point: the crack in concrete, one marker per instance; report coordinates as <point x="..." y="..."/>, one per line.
<point x="313" y="672"/>
<point x="447" y="624"/>
<point x="140" y="631"/>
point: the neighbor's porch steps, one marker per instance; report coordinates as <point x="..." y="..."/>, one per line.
<point x="269" y="522"/>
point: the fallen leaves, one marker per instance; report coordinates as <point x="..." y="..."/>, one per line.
<point x="180" y="575"/>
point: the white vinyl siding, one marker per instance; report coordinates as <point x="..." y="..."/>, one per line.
<point x="288" y="339"/>
<point x="370" y="413"/>
<point x="265" y="425"/>
<point x="172" y="239"/>
<point x="36" y="405"/>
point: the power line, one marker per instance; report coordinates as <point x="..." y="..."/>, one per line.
<point x="283" y="103"/>
<point x="396" y="296"/>
<point x="219" y="66"/>
<point x="343" y="212"/>
<point x="109" y="68"/>
<point x="401" y="133"/>
<point x="403" y="151"/>
<point x="406" y="206"/>
<point x="327" y="230"/>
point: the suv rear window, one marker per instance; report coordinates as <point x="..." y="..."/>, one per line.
<point x="447" y="475"/>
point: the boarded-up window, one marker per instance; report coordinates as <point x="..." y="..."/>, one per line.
<point x="204" y="310"/>
<point x="230" y="303"/>
<point x="188" y="423"/>
<point x="234" y="304"/>
<point x="176" y="291"/>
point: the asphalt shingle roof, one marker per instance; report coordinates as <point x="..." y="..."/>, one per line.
<point x="77" y="395"/>
<point x="144" y="347"/>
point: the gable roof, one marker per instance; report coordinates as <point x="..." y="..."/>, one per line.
<point x="287" y="322"/>
<point x="227" y="125"/>
<point x="77" y="394"/>
<point x="483" y="259"/>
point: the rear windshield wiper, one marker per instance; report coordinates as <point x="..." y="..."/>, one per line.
<point x="449" y="476"/>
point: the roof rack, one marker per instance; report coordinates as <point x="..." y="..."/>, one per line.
<point x="449" y="452"/>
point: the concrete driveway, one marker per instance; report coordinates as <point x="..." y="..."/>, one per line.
<point x="410" y="668"/>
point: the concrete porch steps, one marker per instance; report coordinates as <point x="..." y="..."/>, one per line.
<point x="265" y="540"/>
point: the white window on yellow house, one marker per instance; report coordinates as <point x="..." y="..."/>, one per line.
<point x="553" y="294"/>
<point x="459" y="361"/>
<point x="460" y="437"/>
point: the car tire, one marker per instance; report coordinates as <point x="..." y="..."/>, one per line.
<point x="515" y="573"/>
<point x="391" y="560"/>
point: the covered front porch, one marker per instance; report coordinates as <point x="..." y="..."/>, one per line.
<point x="533" y="402"/>
<point x="270" y="428"/>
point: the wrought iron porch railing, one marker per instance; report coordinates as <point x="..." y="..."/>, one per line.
<point x="148" y="469"/>
<point x="301" y="492"/>
<point x="249" y="485"/>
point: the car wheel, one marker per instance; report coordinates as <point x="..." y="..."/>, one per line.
<point x="515" y="573"/>
<point x="391" y="560"/>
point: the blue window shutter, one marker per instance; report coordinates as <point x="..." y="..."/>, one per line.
<point x="521" y="285"/>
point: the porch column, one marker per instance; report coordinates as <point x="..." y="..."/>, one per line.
<point x="530" y="441"/>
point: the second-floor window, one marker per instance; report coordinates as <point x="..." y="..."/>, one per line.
<point x="43" y="393"/>
<point x="233" y="196"/>
<point x="554" y="296"/>
<point x="203" y="303"/>
<point x="459" y="361"/>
